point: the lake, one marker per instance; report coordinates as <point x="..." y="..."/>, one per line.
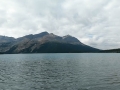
<point x="60" y="71"/>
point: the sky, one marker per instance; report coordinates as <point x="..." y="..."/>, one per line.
<point x="93" y="22"/>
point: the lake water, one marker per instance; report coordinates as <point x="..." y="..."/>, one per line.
<point x="60" y="72"/>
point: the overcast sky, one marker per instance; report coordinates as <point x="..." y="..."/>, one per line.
<point x="93" y="22"/>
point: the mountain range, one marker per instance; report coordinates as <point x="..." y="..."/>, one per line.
<point x="43" y="43"/>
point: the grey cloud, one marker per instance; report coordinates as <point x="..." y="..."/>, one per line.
<point x="95" y="23"/>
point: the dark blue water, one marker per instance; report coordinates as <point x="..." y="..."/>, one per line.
<point x="60" y="72"/>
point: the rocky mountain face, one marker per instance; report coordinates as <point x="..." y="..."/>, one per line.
<point x="43" y="43"/>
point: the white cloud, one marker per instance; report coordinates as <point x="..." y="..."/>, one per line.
<point x="95" y="23"/>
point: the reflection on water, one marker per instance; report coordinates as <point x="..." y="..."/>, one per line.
<point x="60" y="72"/>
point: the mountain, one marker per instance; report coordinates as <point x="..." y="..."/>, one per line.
<point x="43" y="43"/>
<point x="6" y="43"/>
<point x="5" y="39"/>
<point x="111" y="51"/>
<point x="31" y="36"/>
<point x="70" y="39"/>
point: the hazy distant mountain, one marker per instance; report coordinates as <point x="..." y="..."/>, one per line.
<point x="43" y="43"/>
<point x="111" y="51"/>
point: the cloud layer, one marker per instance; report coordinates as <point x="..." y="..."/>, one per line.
<point x="94" y="23"/>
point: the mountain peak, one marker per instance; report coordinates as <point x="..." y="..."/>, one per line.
<point x="45" y="32"/>
<point x="71" y="39"/>
<point x="33" y="36"/>
<point x="41" y="34"/>
<point x="66" y="36"/>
